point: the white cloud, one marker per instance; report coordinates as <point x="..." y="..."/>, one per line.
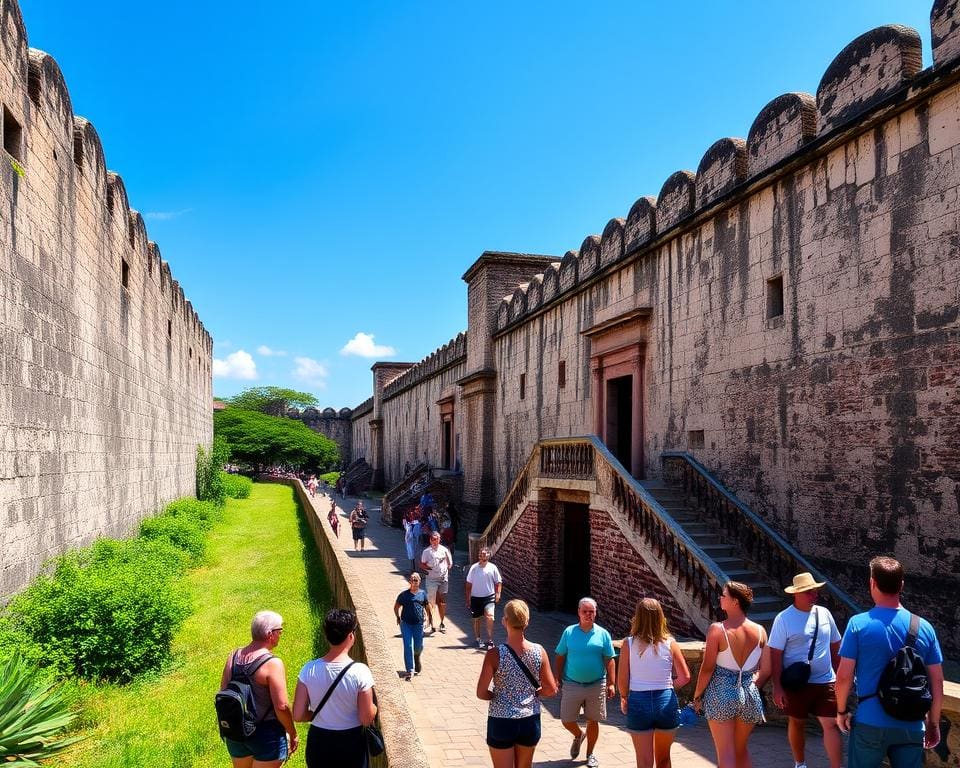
<point x="362" y="345"/>
<point x="266" y="351"/>
<point x="310" y="371"/>
<point x="238" y="365"/>
<point x="165" y="215"/>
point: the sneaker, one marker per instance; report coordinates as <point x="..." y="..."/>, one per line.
<point x="592" y="761"/>
<point x="442" y="628"/>
<point x="800" y="765"/>
<point x="408" y="676"/>
<point x="480" y="644"/>
<point x="417" y="665"/>
<point x="490" y="644"/>
<point x="432" y="630"/>
<point x="575" y="747"/>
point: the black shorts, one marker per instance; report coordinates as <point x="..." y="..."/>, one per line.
<point x="507" y="733"/>
<point x="478" y="605"/>
<point x="359" y="533"/>
<point x="336" y="749"/>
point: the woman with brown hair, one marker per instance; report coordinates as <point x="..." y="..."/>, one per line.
<point x="726" y="687"/>
<point x="521" y="674"/>
<point x="651" y="667"/>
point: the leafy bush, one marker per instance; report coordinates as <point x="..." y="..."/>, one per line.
<point x="209" y="470"/>
<point x="331" y="477"/>
<point x="109" y="611"/>
<point x="236" y="486"/>
<point x="203" y="513"/>
<point x="182" y="531"/>
<point x="34" y="712"/>
<point x="262" y="441"/>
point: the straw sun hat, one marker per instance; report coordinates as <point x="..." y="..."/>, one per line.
<point x="803" y="582"/>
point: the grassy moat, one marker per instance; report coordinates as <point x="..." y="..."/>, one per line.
<point x="261" y="557"/>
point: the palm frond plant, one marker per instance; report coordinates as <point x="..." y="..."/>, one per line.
<point x="34" y="712"/>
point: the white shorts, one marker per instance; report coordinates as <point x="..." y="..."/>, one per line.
<point x="436" y="587"/>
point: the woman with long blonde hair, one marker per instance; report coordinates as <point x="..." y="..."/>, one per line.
<point x="651" y="668"/>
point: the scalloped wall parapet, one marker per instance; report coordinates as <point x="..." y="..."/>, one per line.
<point x="451" y="353"/>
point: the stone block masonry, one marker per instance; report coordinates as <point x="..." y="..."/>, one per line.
<point x="105" y="368"/>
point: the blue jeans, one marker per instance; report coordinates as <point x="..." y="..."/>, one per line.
<point x="652" y="710"/>
<point x="412" y="642"/>
<point x="870" y="744"/>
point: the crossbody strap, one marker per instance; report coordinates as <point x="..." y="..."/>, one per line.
<point x="523" y="668"/>
<point x="911" y="638"/>
<point x="816" y="631"/>
<point x="330" y="689"/>
<point x="260" y="661"/>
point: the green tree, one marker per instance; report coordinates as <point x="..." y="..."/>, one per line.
<point x="274" y="401"/>
<point x="262" y="440"/>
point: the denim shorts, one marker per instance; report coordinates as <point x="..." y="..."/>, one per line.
<point x="507" y="733"/>
<point x="653" y="710"/>
<point x="269" y="742"/>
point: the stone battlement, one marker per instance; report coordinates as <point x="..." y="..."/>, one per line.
<point x="451" y="353"/>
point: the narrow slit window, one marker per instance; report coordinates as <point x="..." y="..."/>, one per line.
<point x="169" y="329"/>
<point x="523" y="385"/>
<point x="78" y="150"/>
<point x="124" y="274"/>
<point x="775" y="297"/>
<point x="12" y="135"/>
<point x="562" y="374"/>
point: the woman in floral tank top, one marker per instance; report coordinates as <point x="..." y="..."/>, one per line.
<point x="513" y="721"/>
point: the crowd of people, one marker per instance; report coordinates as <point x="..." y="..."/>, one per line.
<point x="812" y="667"/>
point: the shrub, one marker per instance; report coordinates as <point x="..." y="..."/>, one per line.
<point x="35" y="711"/>
<point x="183" y="532"/>
<point x="204" y="513"/>
<point x="209" y="470"/>
<point x="236" y="486"/>
<point x="331" y="477"/>
<point x="109" y="611"/>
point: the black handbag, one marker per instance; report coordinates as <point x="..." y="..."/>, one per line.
<point x="797" y="675"/>
<point x="371" y="733"/>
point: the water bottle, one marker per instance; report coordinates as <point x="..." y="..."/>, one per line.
<point x="688" y="716"/>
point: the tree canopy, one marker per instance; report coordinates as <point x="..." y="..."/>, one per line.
<point x="271" y="400"/>
<point x="262" y="440"/>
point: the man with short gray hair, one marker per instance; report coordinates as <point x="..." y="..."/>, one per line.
<point x="585" y="672"/>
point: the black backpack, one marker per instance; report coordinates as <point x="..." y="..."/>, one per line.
<point x="235" y="705"/>
<point x="904" y="688"/>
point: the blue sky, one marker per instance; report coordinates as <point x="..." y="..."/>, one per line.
<point x="323" y="170"/>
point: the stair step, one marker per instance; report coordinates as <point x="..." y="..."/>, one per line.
<point x="717" y="550"/>
<point x="731" y="562"/>
<point x="705" y="538"/>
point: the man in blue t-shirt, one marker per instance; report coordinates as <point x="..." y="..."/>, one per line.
<point x="870" y="641"/>
<point x="585" y="672"/>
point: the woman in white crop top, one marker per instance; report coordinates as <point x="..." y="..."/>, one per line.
<point x="651" y="666"/>
<point x="727" y="684"/>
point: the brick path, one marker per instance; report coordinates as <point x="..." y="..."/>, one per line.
<point x="443" y="699"/>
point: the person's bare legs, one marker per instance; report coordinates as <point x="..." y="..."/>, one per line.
<point x="593" y="733"/>
<point x="797" y="738"/>
<point x="722" y="732"/>
<point x="741" y="737"/>
<point x="441" y="605"/>
<point x="502" y="758"/>
<point x="489" y="617"/>
<point x="523" y="756"/>
<point x="832" y="741"/>
<point x="662" y="742"/>
<point x="643" y="746"/>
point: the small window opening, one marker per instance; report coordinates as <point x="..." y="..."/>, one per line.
<point x="695" y="440"/>
<point x="562" y="374"/>
<point x="523" y="385"/>
<point x="12" y="135"/>
<point x="169" y="329"/>
<point x="34" y="83"/>
<point x="191" y="353"/>
<point x="775" y="297"/>
<point x="78" y="150"/>
<point x="124" y="274"/>
<point x="131" y="235"/>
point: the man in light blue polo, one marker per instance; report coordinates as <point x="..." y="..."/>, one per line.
<point x="585" y="672"/>
<point x="870" y="641"/>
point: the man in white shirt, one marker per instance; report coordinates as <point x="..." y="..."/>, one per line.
<point x="482" y="589"/>
<point x="794" y="630"/>
<point x="436" y="561"/>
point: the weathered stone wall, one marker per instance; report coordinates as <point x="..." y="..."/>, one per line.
<point x="838" y="421"/>
<point x="337" y="425"/>
<point x="360" y="431"/>
<point x="105" y="368"/>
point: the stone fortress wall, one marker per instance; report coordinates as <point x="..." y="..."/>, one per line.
<point x="105" y="368"/>
<point x="790" y="311"/>
<point x="337" y="425"/>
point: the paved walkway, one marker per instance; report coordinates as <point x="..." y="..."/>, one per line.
<point x="443" y="699"/>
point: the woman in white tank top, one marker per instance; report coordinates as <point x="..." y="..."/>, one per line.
<point x="651" y="666"/>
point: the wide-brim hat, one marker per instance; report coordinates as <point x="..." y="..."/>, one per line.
<point x="803" y="582"/>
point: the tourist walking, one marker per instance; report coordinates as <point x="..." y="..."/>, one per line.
<point x="335" y="695"/>
<point x="409" y="608"/>
<point x="520" y="673"/>
<point x="358" y="523"/>
<point x="436" y="561"/>
<point x="482" y="589"/>
<point x="726" y="687"/>
<point x="585" y="674"/>
<point x="333" y="519"/>
<point x="411" y="536"/>
<point x="275" y="737"/>
<point x="651" y="668"/>
<point x="804" y="654"/>
<point x="870" y="641"/>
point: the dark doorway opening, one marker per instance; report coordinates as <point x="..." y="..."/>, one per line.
<point x="576" y="555"/>
<point x="447" y="449"/>
<point x="620" y="419"/>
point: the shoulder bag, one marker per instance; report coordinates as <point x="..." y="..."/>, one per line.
<point x="797" y="675"/>
<point x="371" y="733"/>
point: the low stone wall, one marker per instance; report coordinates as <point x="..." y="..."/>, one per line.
<point x="947" y="755"/>
<point x="404" y="749"/>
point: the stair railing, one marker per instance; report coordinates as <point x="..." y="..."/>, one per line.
<point x="587" y="458"/>
<point x="404" y="492"/>
<point x="768" y="550"/>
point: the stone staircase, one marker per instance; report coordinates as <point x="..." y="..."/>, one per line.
<point x="768" y="598"/>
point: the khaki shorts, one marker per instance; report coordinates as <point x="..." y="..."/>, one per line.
<point x="436" y="587"/>
<point x="591" y="698"/>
